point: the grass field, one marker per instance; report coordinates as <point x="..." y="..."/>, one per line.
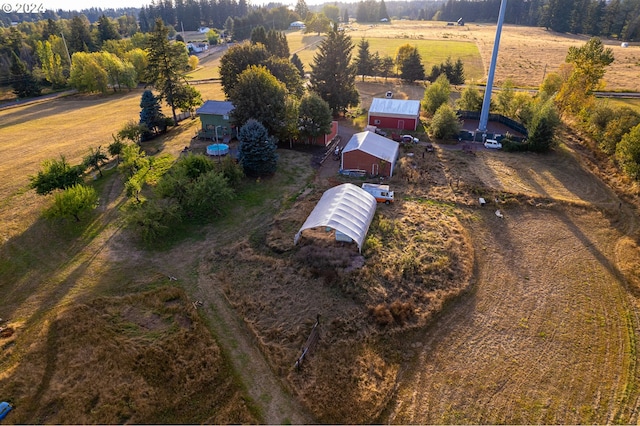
<point x="450" y="315"/>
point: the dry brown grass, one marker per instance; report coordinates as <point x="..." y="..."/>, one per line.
<point x="526" y="54"/>
<point x="145" y="358"/>
<point x="450" y="315"/>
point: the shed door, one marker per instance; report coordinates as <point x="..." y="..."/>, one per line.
<point x="400" y="124"/>
<point x="374" y="169"/>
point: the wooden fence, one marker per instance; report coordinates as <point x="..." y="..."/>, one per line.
<point x="310" y="344"/>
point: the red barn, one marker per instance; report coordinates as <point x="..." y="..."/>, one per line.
<point x="324" y="140"/>
<point x="372" y="153"/>
<point x="394" y="113"/>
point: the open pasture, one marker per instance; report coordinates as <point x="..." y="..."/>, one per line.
<point x="526" y="54"/>
<point x="528" y="318"/>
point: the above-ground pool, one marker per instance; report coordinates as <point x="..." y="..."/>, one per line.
<point x="218" y="149"/>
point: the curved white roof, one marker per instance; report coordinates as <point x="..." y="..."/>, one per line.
<point x="345" y="208"/>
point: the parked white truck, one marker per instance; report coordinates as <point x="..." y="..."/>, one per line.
<point x="381" y="192"/>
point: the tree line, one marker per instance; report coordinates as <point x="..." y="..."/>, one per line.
<point x="614" y="18"/>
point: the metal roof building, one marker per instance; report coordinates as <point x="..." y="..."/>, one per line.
<point x="345" y="208"/>
<point x="394" y="113"/>
<point x="368" y="151"/>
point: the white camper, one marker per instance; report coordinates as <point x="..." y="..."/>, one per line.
<point x="381" y="192"/>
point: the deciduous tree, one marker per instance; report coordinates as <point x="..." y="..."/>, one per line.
<point x="73" y="201"/>
<point x="445" y="123"/>
<point x="314" y="116"/>
<point x="95" y="159"/>
<point x="628" y="153"/>
<point x="56" y="174"/>
<point x="237" y="59"/>
<point x="259" y="95"/>
<point x="436" y="94"/>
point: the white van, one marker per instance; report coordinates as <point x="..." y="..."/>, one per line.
<point x="381" y="192"/>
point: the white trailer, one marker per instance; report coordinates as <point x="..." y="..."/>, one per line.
<point x="381" y="192"/>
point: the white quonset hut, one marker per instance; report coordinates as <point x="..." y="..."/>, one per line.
<point x="401" y="114"/>
<point x="345" y="208"/>
<point x="368" y="151"/>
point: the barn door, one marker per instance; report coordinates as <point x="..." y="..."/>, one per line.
<point x="374" y="169"/>
<point x="400" y="124"/>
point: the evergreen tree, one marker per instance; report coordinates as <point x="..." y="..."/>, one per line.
<point x="364" y="62"/>
<point x="23" y="82"/>
<point x="228" y="27"/>
<point x="259" y="35"/>
<point x="257" y="150"/>
<point x="411" y="68"/>
<point x="301" y="9"/>
<point x="382" y="11"/>
<point x="276" y="44"/>
<point x="151" y="114"/>
<point x="80" y="38"/>
<point x="51" y="28"/>
<point x="542" y="128"/>
<point x="167" y="62"/>
<point x="345" y="16"/>
<point x="362" y="14"/>
<point x="386" y="67"/>
<point x="332" y="74"/>
<point x="107" y="29"/>
<point x="295" y="60"/>
<point x="457" y="74"/>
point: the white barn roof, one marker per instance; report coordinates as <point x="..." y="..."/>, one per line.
<point x="394" y="108"/>
<point x="374" y="144"/>
<point x="345" y="208"/>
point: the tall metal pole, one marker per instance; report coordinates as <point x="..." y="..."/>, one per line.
<point x="484" y="115"/>
<point x="66" y="48"/>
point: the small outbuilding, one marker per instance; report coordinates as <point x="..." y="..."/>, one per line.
<point x="373" y="153"/>
<point x="215" y="119"/>
<point x="345" y="208"/>
<point x="297" y="25"/>
<point x="394" y="113"/>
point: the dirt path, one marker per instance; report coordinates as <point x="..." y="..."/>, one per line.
<point x="276" y="404"/>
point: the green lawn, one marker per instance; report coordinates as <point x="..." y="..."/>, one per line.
<point x="433" y="52"/>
